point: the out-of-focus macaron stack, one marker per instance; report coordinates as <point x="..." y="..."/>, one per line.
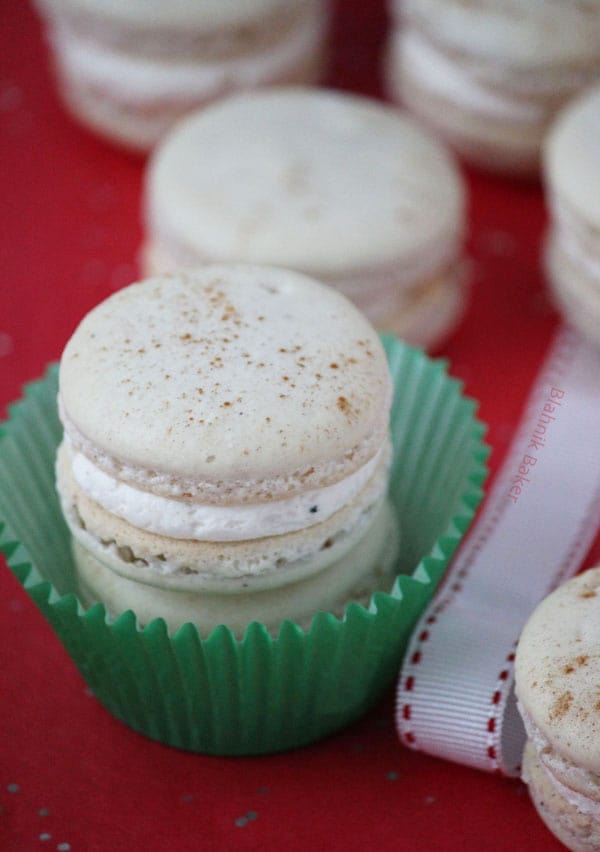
<point x="490" y="76"/>
<point x="330" y="184"/>
<point x="129" y="69"/>
<point x="572" y="175"/>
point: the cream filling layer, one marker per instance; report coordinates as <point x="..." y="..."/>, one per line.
<point x="526" y="33"/>
<point x="209" y="522"/>
<point x="447" y="78"/>
<point x="582" y="803"/>
<point x="140" y="78"/>
<point x="580" y="776"/>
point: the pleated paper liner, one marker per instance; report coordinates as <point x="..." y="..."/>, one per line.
<point x="218" y="694"/>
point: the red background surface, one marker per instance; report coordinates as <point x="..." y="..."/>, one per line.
<point x="71" y="777"/>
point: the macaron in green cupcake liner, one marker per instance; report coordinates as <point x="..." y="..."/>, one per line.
<point x="218" y="694"/>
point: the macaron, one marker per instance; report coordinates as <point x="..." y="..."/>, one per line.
<point x="572" y="179"/>
<point x="557" y="677"/>
<point x="489" y="77"/>
<point x="130" y="70"/>
<point x="336" y="186"/>
<point x="226" y="451"/>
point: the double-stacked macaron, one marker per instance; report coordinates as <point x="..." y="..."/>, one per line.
<point x="336" y="186"/>
<point x="572" y="175"/>
<point x="490" y="76"/>
<point x="558" y="688"/>
<point x="130" y="69"/>
<point x="226" y="450"/>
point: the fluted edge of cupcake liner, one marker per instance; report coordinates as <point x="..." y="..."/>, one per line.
<point x="258" y="694"/>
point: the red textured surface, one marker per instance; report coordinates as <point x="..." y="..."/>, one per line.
<point x="69" y="235"/>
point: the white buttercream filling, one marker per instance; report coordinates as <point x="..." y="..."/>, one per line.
<point x="166" y="253"/>
<point x="441" y="74"/>
<point x="140" y="78"/>
<point x="582" y="803"/>
<point x="585" y="804"/>
<point x="209" y="522"/>
<point x="522" y="33"/>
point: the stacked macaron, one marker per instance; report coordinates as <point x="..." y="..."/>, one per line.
<point x="329" y="184"/>
<point x="130" y="70"/>
<point x="572" y="174"/>
<point x="557" y="683"/>
<point x="490" y="76"/>
<point x="226" y="450"/>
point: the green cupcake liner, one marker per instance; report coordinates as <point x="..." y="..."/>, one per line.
<point x="222" y="695"/>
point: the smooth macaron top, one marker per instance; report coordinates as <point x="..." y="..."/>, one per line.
<point x="524" y="32"/>
<point x="315" y="180"/>
<point x="572" y="156"/>
<point x="231" y="383"/>
<point x="211" y="14"/>
<point x="558" y="670"/>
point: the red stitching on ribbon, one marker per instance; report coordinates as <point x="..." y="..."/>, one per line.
<point x="492" y="721"/>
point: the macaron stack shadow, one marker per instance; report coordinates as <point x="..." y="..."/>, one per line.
<point x="226" y="451"/>
<point x="129" y="69"/>
<point x="489" y="77"/>
<point x="572" y="178"/>
<point x="557" y="685"/>
<point x="336" y="186"/>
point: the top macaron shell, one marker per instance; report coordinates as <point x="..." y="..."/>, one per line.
<point x="318" y="181"/>
<point x="571" y="157"/>
<point x="558" y="670"/>
<point x="520" y="31"/>
<point x="194" y="385"/>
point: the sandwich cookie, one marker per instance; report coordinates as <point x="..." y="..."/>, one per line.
<point x="489" y="77"/>
<point x="557" y="677"/>
<point x="572" y="179"/>
<point x="130" y="70"/>
<point x="333" y="185"/>
<point x="226" y="450"/>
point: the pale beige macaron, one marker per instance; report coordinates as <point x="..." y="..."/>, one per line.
<point x="226" y="450"/>
<point x="130" y="69"/>
<point x="337" y="186"/>
<point x="572" y="179"/>
<point x="489" y="77"/>
<point x="557" y="685"/>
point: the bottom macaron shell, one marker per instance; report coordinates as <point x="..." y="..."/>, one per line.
<point x="261" y="694"/>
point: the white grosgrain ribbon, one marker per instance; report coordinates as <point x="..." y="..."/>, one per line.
<point x="455" y="695"/>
